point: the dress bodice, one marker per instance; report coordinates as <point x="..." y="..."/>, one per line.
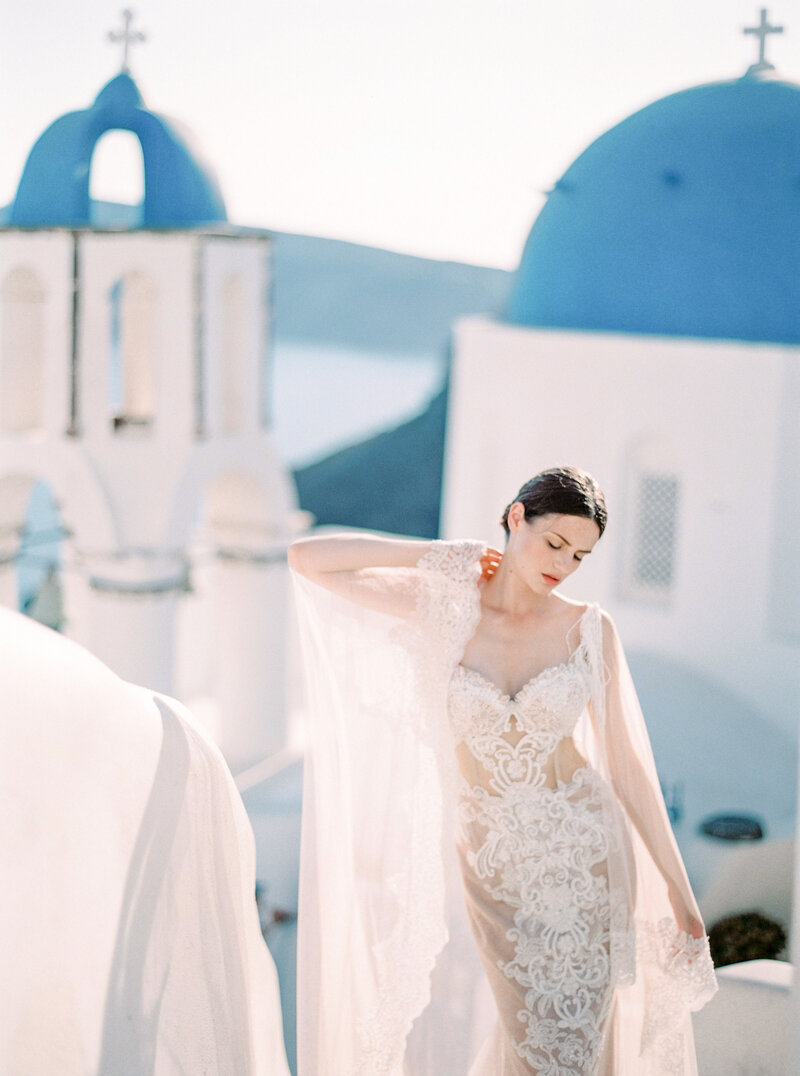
<point x="513" y="739"/>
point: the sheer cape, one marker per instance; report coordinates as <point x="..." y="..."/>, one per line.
<point x="389" y="984"/>
<point x="128" y="927"/>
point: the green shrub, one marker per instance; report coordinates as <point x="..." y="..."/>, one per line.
<point x="745" y="936"/>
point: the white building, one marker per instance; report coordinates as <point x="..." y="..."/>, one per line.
<point x="653" y="339"/>
<point x="134" y="382"/>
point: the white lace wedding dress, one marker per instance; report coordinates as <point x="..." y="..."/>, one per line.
<point x="427" y="789"/>
<point x="533" y="847"/>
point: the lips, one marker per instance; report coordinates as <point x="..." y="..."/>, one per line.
<point x="551" y="580"/>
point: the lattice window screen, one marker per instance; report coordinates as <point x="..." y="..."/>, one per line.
<point x="652" y="565"/>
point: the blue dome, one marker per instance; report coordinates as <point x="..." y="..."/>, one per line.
<point x="683" y="220"/>
<point x="180" y="190"/>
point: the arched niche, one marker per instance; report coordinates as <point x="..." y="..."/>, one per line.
<point x="117" y="181"/>
<point x="40" y="559"/>
<point x="22" y="359"/>
<point x="31" y="539"/>
<point x="232" y="365"/>
<point x="132" y="352"/>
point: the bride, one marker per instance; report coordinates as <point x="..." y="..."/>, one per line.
<point x="478" y="755"/>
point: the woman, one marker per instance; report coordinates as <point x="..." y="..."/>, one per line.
<point x="459" y="693"/>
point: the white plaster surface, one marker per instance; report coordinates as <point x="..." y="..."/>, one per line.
<point x="743" y="1030"/>
<point x="525" y="399"/>
<point x="139" y="502"/>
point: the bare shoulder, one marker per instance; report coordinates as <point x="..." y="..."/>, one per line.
<point x="571" y="611"/>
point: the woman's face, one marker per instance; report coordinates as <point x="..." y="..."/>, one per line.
<point x="549" y="548"/>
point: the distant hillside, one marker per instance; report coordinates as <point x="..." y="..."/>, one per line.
<point x="360" y="298"/>
<point x="391" y="482"/>
<point x="356" y="297"/>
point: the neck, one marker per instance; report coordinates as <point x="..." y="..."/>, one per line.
<point x="508" y="592"/>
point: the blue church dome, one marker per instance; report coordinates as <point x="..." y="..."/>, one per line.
<point x="180" y="189"/>
<point x="683" y="220"/>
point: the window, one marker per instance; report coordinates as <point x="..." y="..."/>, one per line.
<point x="650" y="552"/>
<point x="132" y="380"/>
<point x="656" y="518"/>
<point x="22" y="352"/>
<point x="231" y="356"/>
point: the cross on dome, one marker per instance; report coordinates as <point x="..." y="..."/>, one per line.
<point x="127" y="37"/>
<point x="762" y="31"/>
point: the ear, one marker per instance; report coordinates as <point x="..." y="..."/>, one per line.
<point x="516" y="515"/>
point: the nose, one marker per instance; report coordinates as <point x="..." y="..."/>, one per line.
<point x="563" y="562"/>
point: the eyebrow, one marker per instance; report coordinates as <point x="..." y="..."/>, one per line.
<point x="586" y="552"/>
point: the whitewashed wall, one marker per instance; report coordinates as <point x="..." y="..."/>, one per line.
<point x="523" y="400"/>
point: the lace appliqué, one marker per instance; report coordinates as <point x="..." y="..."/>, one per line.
<point x="448" y="599"/>
<point x="383" y="1029"/>
<point x="544" y="710"/>
<point x="447" y="612"/>
<point x="680" y="978"/>
<point x="542" y="856"/>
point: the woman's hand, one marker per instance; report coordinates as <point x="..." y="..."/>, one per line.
<point x="683" y="917"/>
<point x="490" y="562"/>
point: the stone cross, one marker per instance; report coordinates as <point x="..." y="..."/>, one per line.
<point x="761" y="32"/>
<point x="127" y="36"/>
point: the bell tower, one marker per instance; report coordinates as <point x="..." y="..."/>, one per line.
<point x="134" y="381"/>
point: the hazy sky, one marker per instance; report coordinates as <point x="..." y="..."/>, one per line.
<point x="427" y="126"/>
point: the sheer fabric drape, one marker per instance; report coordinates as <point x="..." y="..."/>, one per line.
<point x="389" y="982"/>
<point x="128" y="928"/>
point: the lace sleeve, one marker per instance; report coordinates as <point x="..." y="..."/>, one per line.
<point x="447" y="602"/>
<point x="456" y="561"/>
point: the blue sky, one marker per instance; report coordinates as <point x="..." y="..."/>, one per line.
<point x="426" y="127"/>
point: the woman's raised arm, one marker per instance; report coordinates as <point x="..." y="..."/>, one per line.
<point x="370" y="570"/>
<point x="322" y="554"/>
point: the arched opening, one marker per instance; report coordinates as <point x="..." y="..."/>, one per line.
<point x="39" y="564"/>
<point x="132" y="353"/>
<point x="231" y="356"/>
<point x="31" y="539"/>
<point x="116" y="181"/>
<point x="22" y="377"/>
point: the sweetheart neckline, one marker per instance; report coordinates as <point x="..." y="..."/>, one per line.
<point x="528" y="683"/>
<point x="547" y="669"/>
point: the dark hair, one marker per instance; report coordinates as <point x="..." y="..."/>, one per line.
<point x="564" y="491"/>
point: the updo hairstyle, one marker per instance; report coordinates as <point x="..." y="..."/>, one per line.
<point x="563" y="491"/>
